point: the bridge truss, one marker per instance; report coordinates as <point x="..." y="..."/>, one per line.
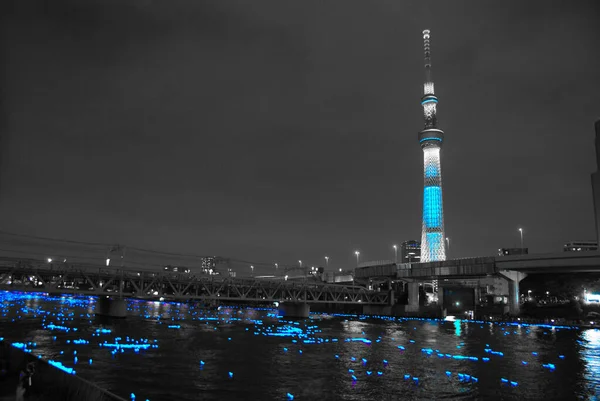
<point x="40" y="276"/>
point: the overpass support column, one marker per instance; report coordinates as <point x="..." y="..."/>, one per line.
<point x="413" y="295"/>
<point x="391" y="292"/>
<point x="513" y="278"/>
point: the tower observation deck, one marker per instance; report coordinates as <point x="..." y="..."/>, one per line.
<point x="431" y="139"/>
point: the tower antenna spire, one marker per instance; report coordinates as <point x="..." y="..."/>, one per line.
<point x="427" y="54"/>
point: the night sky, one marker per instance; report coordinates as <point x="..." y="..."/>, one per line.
<point x="276" y="130"/>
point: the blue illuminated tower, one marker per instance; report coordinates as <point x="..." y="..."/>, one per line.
<point x="431" y="138"/>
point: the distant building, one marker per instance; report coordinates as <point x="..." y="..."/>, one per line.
<point x="410" y="251"/>
<point x="208" y="264"/>
<point x="580" y="246"/>
<point x="512" y="251"/>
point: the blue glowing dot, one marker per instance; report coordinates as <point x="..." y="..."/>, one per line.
<point x="290" y="396"/>
<point x="230" y="374"/>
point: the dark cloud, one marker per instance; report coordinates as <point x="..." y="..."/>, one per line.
<point x="283" y="131"/>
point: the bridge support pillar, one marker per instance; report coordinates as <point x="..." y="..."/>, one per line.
<point x="293" y="309"/>
<point x="111" y="307"/>
<point x="413" y="297"/>
<point x="513" y="278"/>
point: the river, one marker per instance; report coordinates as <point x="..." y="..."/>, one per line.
<point x="171" y="351"/>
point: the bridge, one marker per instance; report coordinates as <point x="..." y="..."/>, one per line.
<point x="88" y="279"/>
<point x="513" y="268"/>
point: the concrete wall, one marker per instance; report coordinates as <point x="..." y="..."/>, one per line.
<point x="48" y="382"/>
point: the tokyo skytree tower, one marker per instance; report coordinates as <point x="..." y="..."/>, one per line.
<point x="430" y="139"/>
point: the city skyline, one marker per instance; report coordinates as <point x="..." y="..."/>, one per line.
<point x="280" y="138"/>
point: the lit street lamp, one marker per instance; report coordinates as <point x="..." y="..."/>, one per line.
<point x="252" y="268"/>
<point x="49" y="260"/>
<point x="447" y="243"/>
<point x="327" y="261"/>
<point x="395" y="253"/>
<point x="107" y="261"/>
<point x="300" y="262"/>
<point x="521" y="231"/>
<point x="357" y="253"/>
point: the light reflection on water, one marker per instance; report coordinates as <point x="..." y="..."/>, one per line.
<point x="268" y="367"/>
<point x="591" y="357"/>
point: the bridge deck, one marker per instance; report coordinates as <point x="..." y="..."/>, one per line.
<point x="34" y="275"/>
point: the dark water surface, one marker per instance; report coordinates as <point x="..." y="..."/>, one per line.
<point x="311" y="359"/>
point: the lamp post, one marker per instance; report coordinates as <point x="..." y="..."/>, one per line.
<point x="395" y="253"/>
<point x="521" y="231"/>
<point x="357" y="253"/>
<point x="252" y="268"/>
<point x="327" y="261"/>
<point x="300" y="263"/>
<point x="447" y="244"/>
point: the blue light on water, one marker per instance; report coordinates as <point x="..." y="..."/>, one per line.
<point x="62" y="367"/>
<point x="457" y="331"/>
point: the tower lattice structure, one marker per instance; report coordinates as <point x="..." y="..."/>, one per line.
<point x="431" y="139"/>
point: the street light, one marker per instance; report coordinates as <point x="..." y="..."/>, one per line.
<point x="357" y="253"/>
<point x="300" y="263"/>
<point x="447" y="243"/>
<point x="395" y="253"/>
<point x="340" y="269"/>
<point x="521" y="231"/>
<point x="107" y="261"/>
<point x="49" y="260"/>
<point x="327" y="261"/>
<point x="252" y="268"/>
<point x="276" y="266"/>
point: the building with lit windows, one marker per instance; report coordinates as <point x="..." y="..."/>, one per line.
<point x="433" y="245"/>
<point x="410" y="252"/>
<point x="580" y="246"/>
<point x="208" y="264"/>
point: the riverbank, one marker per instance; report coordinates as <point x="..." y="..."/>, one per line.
<point x="48" y="383"/>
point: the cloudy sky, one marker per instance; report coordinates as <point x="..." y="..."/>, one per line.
<point x="282" y="130"/>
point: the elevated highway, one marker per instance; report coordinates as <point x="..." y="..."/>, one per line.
<point x="513" y="268"/>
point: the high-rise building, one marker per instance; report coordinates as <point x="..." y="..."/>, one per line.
<point x="596" y="183"/>
<point x="431" y="138"/>
<point x="410" y="252"/>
